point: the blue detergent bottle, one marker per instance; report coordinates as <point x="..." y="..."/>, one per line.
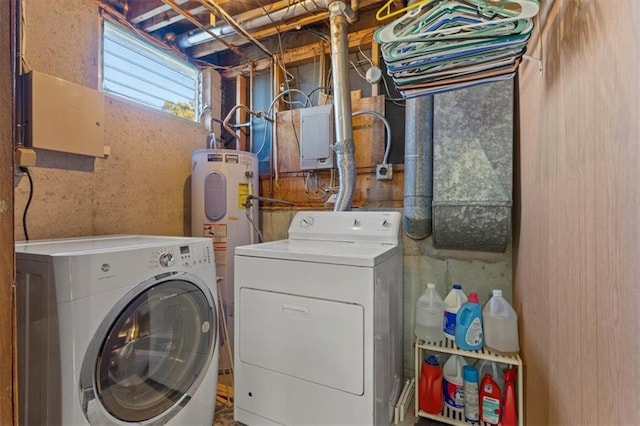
<point x="469" y="324"/>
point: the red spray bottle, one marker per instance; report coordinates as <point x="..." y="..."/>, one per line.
<point x="509" y="411"/>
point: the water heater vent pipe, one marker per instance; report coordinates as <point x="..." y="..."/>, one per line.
<point x="344" y="147"/>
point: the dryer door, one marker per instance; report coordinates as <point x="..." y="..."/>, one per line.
<point x="150" y="353"/>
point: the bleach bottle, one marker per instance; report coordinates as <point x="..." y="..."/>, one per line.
<point x="453" y="384"/>
<point x="452" y="302"/>
<point x="469" y="324"/>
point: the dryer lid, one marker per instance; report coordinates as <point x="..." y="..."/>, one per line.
<point x="331" y="252"/>
<point x="356" y="238"/>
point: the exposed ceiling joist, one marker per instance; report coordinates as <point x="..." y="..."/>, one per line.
<point x="141" y="15"/>
<point x="188" y="24"/>
<point x="159" y="21"/>
<point x="300" y="54"/>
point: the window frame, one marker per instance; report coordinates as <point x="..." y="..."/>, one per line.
<point x="153" y="52"/>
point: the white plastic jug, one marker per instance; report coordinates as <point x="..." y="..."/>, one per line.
<point x="453" y="301"/>
<point x="453" y="383"/>
<point x="428" y="320"/>
<point x="500" y="325"/>
<point x="495" y="369"/>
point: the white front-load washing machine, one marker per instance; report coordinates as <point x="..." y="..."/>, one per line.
<point x="319" y="322"/>
<point x="117" y="330"/>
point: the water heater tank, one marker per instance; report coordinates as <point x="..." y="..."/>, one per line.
<point x="221" y="180"/>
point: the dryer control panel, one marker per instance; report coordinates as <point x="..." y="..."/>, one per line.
<point x="357" y="226"/>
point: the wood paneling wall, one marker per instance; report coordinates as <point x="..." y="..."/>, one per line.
<point x="577" y="234"/>
<point x="6" y="221"/>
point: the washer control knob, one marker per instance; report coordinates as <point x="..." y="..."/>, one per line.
<point x="167" y="259"/>
<point x="355" y="223"/>
<point x="385" y="223"/>
<point x="305" y="222"/>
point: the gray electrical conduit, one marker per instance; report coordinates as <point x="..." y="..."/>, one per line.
<point x="387" y="127"/>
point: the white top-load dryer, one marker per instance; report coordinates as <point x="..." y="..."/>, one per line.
<point x="117" y="330"/>
<point x="319" y="322"/>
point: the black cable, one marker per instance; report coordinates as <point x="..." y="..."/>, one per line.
<point x="26" y="207"/>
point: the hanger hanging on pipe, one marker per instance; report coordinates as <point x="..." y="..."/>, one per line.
<point x="385" y="11"/>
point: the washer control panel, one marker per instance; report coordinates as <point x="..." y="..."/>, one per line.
<point x="184" y="256"/>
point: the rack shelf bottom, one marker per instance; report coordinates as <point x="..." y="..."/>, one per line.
<point x="451" y="416"/>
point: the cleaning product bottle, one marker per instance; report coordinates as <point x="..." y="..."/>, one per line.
<point x="500" y="325"/>
<point x="490" y="400"/>
<point x="428" y="320"/>
<point x="509" y="411"/>
<point x="430" y="386"/>
<point x="453" y="386"/>
<point x="469" y="324"/>
<point x="453" y="301"/>
<point x="471" y="395"/>
<point x="495" y="369"/>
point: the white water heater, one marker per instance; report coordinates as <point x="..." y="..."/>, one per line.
<point x="221" y="180"/>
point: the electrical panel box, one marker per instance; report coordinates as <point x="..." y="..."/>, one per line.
<point x="316" y="137"/>
<point x="63" y="116"/>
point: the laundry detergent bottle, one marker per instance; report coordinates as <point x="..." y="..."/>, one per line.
<point x="452" y="302"/>
<point x="469" y="324"/>
<point x="428" y="320"/>
<point x="430" y="386"/>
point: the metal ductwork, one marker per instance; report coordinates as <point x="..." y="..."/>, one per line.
<point x="344" y="147"/>
<point x="305" y="7"/>
<point x="418" y="167"/>
<point x="473" y="168"/>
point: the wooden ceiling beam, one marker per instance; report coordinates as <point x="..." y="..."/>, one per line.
<point x="214" y="46"/>
<point x="301" y="54"/>
<point x="139" y="11"/>
<point x="162" y="21"/>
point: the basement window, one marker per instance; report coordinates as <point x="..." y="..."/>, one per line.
<point x="136" y="69"/>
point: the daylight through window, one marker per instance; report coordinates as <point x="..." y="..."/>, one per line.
<point x="136" y="69"/>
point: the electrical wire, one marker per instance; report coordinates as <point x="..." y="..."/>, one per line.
<point x="387" y="126"/>
<point x="26" y="207"/>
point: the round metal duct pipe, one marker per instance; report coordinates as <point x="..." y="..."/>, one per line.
<point x="418" y="167"/>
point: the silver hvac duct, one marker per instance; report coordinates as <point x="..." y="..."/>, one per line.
<point x="473" y="168"/>
<point x="196" y="37"/>
<point x="344" y="146"/>
<point x="418" y="167"/>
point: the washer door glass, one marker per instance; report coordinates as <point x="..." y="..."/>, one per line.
<point x="155" y="351"/>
